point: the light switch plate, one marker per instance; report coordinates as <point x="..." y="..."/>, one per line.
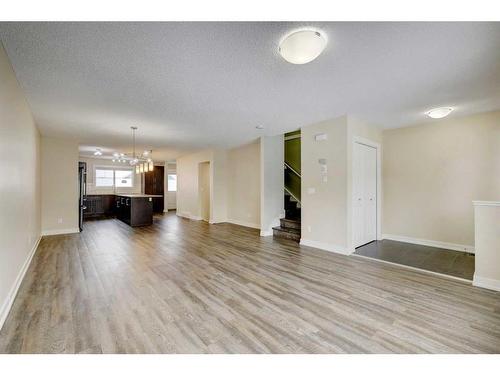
<point x="321" y="137"/>
<point x="311" y="190"/>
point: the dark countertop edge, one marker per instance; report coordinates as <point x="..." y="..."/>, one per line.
<point x="129" y="195"/>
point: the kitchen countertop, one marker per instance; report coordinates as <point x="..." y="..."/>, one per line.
<point x="139" y="195"/>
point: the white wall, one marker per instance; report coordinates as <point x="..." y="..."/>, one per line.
<point x="92" y="163"/>
<point x="244" y="185"/>
<point x="432" y="172"/>
<point x="187" y="185"/>
<point x="59" y="168"/>
<point x="19" y="185"/>
<point x="272" y="183"/>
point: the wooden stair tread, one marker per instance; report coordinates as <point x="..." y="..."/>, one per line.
<point x="288" y="230"/>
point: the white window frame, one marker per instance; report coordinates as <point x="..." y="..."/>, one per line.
<point x="113" y="168"/>
<point x="172" y="174"/>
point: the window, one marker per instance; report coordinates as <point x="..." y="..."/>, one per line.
<point x="104" y="177"/>
<point x="172" y="182"/>
<point x="114" y="178"/>
<point x="123" y="178"/>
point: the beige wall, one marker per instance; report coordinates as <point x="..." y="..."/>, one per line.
<point x="92" y="163"/>
<point x="59" y="166"/>
<point x="235" y="185"/>
<point x="432" y="173"/>
<point x="19" y="185"/>
<point x="324" y="210"/>
<point x="244" y="185"/>
<point x="487" y="236"/>
<point x="188" y="200"/>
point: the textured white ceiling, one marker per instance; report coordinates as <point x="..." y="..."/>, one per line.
<point x="193" y="85"/>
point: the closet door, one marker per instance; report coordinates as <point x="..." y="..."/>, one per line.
<point x="370" y="194"/>
<point x="364" y="194"/>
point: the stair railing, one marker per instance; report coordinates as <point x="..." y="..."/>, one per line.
<point x="290" y="168"/>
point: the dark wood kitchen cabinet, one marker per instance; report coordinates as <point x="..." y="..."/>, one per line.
<point x="134" y="210"/>
<point x="154" y="185"/>
<point x="98" y="206"/>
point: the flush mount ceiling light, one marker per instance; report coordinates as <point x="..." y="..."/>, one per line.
<point x="439" y="112"/>
<point x="260" y="127"/>
<point x="302" y="46"/>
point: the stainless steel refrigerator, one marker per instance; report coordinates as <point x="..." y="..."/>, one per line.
<point x="82" y="179"/>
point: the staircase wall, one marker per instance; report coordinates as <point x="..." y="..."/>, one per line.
<point x="271" y="183"/>
<point x="326" y="209"/>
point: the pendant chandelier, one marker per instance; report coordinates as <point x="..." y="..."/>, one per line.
<point x="143" y="163"/>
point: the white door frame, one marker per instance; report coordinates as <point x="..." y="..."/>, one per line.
<point x="378" y="147"/>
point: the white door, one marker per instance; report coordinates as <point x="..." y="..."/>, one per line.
<point x="364" y="194"/>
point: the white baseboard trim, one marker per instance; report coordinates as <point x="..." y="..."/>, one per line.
<point x="414" y="268"/>
<point x="187" y="215"/>
<point x="7" y="304"/>
<point x="53" y="232"/>
<point x="326" y="246"/>
<point x="244" y="223"/>
<point x="486" y="283"/>
<point x="431" y="243"/>
<point x="266" y="233"/>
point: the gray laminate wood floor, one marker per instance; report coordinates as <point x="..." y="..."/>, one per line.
<point x="182" y="286"/>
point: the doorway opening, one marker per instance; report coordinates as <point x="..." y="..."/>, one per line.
<point x="204" y="190"/>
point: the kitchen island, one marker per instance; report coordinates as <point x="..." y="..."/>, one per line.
<point x="135" y="209"/>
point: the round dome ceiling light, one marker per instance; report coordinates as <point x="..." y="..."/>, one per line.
<point x="302" y="46"/>
<point x="439" y="112"/>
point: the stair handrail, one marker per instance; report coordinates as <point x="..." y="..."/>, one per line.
<point x="293" y="170"/>
<point x="289" y="192"/>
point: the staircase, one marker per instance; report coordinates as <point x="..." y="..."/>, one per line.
<point x="289" y="226"/>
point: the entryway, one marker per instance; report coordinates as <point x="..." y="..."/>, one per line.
<point x="204" y="190"/>
<point x="444" y="261"/>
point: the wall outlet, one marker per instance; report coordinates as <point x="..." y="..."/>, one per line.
<point x="311" y="190"/>
<point x="59" y="220"/>
<point x="309" y="229"/>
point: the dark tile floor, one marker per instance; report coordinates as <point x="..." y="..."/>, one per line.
<point x="449" y="262"/>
